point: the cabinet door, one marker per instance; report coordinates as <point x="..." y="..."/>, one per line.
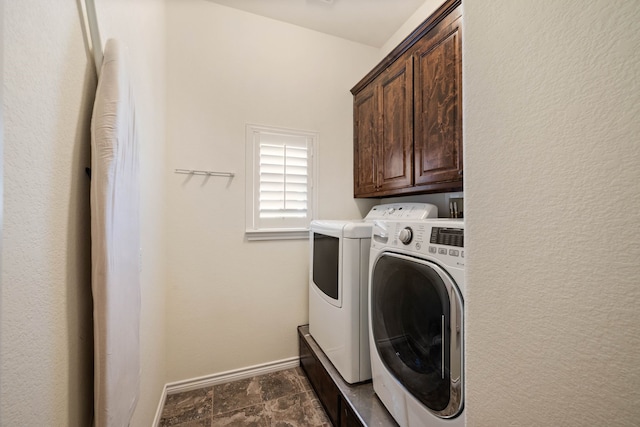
<point x="396" y="126"/>
<point x="438" y="103"/>
<point x="365" y="141"/>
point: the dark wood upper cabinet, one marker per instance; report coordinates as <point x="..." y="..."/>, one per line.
<point x="395" y="128"/>
<point x="365" y="137"/>
<point x="408" y="113"/>
<point x="438" y="104"/>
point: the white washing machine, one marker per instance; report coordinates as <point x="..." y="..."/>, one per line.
<point x="416" y="320"/>
<point x="338" y="283"/>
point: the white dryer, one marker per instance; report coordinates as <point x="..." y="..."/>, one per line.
<point x="416" y="320"/>
<point x="338" y="282"/>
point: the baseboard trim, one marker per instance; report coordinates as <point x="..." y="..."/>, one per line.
<point x="233" y="375"/>
<point x="163" y="399"/>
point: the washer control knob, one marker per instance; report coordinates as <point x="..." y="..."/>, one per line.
<point x="405" y="236"/>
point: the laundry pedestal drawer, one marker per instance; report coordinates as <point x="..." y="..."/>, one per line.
<point x="347" y="405"/>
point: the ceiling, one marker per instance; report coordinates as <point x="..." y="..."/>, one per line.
<point x="371" y="22"/>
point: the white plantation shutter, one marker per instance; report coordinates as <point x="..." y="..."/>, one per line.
<point x="283" y="181"/>
<point x="281" y="194"/>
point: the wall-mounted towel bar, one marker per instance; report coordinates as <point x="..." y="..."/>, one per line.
<point x="207" y="173"/>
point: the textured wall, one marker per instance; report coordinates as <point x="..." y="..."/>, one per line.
<point x="551" y="107"/>
<point x="233" y="303"/>
<point x="46" y="301"/>
<point x="1" y="164"/>
<point x="49" y="84"/>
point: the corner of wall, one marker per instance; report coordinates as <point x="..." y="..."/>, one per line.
<point x="423" y="12"/>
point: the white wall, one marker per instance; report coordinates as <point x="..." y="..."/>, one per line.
<point x="414" y="21"/>
<point x="46" y="299"/>
<point x="233" y="303"/>
<point x="49" y="84"/>
<point x="1" y="166"/>
<point x="551" y="106"/>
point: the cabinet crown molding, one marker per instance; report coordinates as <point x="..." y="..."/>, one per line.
<point x="426" y="26"/>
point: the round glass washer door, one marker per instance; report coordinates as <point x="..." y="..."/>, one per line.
<point x="417" y="325"/>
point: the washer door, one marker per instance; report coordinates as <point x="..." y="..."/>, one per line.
<point x="416" y="320"/>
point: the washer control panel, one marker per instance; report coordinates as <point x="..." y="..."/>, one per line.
<point x="405" y="235"/>
<point x="447" y="236"/>
<point x="402" y="211"/>
<point x="439" y="238"/>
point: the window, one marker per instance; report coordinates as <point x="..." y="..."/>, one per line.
<point x="280" y="182"/>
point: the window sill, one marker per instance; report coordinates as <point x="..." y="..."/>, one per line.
<point x="278" y="234"/>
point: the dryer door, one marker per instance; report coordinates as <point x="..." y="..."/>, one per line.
<point x="416" y="320"/>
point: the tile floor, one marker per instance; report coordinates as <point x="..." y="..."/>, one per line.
<point x="278" y="399"/>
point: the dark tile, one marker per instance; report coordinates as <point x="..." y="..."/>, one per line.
<point x="296" y="410"/>
<point x="189" y="406"/>
<point x="278" y="399"/>
<point x="205" y="422"/>
<point x="236" y="395"/>
<point x="279" y="384"/>
<point x="251" y="391"/>
<point x="252" y="416"/>
<point x="315" y="411"/>
<point x="301" y="377"/>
